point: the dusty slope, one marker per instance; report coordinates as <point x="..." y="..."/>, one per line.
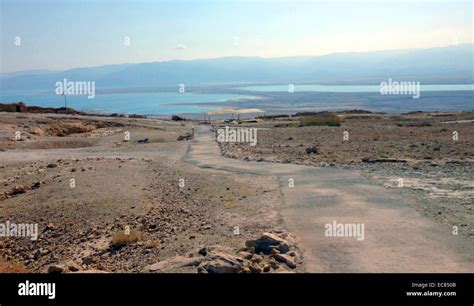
<point x="120" y="184"/>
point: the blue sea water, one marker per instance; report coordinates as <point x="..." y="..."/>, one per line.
<point x="150" y="103"/>
<point x="354" y="88"/>
<point x="452" y="97"/>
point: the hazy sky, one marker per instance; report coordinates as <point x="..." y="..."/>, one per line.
<point x="66" y="34"/>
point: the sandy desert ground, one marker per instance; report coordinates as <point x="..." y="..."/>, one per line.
<point x="137" y="205"/>
<point x="183" y="218"/>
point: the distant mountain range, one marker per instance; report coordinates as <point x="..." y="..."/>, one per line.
<point x="454" y="64"/>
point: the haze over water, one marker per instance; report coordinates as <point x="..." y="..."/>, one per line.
<point x="155" y="103"/>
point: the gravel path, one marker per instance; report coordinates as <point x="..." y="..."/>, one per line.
<point x="396" y="237"/>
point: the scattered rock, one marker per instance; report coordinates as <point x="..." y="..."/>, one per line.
<point x="37" y="255"/>
<point x="185" y="137"/>
<point x="221" y="263"/>
<point x="268" y="241"/>
<point x="245" y="255"/>
<point x="89" y="260"/>
<point x="257" y="258"/>
<point x="56" y="269"/>
<point x="286" y="259"/>
<point x="142" y="141"/>
<point x="73" y="267"/>
<point x="202" y="251"/>
<point x="312" y="150"/>
<point x="274" y="264"/>
<point x="17" y="190"/>
<point x="267" y="267"/>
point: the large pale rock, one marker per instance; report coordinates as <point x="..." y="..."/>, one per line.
<point x="286" y="259"/>
<point x="245" y="255"/>
<point x="173" y="263"/>
<point x="218" y="262"/>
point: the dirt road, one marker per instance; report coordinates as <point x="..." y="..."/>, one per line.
<point x="397" y="238"/>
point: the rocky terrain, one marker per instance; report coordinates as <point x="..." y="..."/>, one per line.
<point x="112" y="194"/>
<point x="426" y="156"/>
<point x="107" y="203"/>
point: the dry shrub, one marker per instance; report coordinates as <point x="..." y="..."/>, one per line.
<point x="12" y="266"/>
<point x="152" y="244"/>
<point x="327" y="119"/>
<point x="120" y="239"/>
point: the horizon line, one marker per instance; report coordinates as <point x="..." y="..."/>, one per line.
<point x="236" y="56"/>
